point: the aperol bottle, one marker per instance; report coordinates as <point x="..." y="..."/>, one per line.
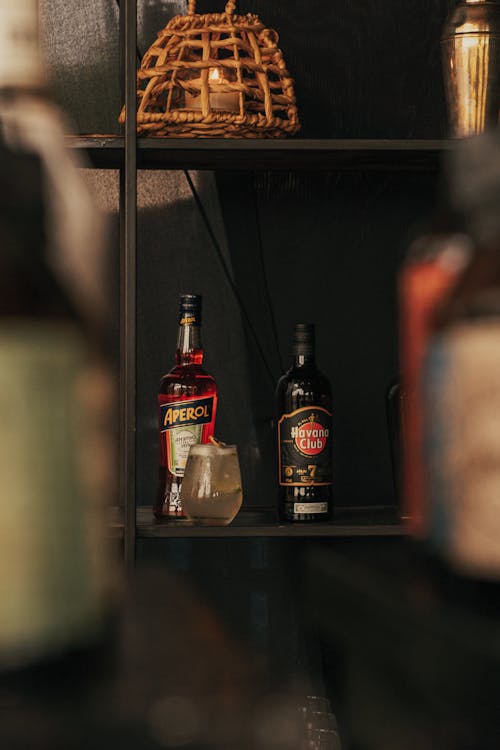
<point x="187" y="404"/>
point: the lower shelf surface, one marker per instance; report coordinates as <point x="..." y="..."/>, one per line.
<point x="261" y="522"/>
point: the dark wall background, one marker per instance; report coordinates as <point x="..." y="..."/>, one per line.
<point x="331" y="246"/>
<point x="363" y="69"/>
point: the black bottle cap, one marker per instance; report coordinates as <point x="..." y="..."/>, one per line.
<point x="190" y="310"/>
<point x="303" y="339"/>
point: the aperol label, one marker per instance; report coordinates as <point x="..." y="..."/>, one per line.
<point x="182" y="424"/>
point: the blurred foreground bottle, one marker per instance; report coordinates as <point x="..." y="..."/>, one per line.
<point x="470" y="46"/>
<point x="462" y="379"/>
<point x="432" y="266"/>
<point x="55" y="448"/>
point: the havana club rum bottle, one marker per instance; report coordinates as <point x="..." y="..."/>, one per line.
<point x="187" y="403"/>
<point x="304" y="435"/>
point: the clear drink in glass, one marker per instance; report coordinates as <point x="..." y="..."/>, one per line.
<point x="211" y="489"/>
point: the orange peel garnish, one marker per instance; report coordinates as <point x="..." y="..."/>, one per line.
<point x="214" y="441"/>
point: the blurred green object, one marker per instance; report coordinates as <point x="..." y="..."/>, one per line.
<point x="55" y="450"/>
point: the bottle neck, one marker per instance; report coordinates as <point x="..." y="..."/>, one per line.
<point x="189" y="346"/>
<point x="20" y="61"/>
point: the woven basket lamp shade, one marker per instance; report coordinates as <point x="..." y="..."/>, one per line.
<point x="215" y="75"/>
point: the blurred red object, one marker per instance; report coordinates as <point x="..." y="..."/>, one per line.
<point x="434" y="263"/>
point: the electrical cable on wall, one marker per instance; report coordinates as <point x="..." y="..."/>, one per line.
<point x="229" y="279"/>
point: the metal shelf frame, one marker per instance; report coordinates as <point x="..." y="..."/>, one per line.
<point x="128" y="272"/>
<point x="399" y="155"/>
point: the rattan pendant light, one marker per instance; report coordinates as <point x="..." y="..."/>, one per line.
<point x="215" y="75"/>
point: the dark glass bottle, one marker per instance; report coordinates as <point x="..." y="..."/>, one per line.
<point x="187" y="404"/>
<point x="304" y="405"/>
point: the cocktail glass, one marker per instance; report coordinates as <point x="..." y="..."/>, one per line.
<point x="211" y="492"/>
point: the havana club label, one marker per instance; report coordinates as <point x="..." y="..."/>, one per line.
<point x="304" y="447"/>
<point x="181" y="426"/>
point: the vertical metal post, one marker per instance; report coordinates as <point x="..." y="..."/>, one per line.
<point x="128" y="255"/>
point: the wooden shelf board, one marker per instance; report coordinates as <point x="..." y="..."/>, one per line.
<point x="261" y="523"/>
<point x="107" y="151"/>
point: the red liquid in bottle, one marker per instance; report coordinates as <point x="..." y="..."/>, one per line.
<point x="187" y="405"/>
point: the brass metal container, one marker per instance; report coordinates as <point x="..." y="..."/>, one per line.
<point x="470" y="47"/>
